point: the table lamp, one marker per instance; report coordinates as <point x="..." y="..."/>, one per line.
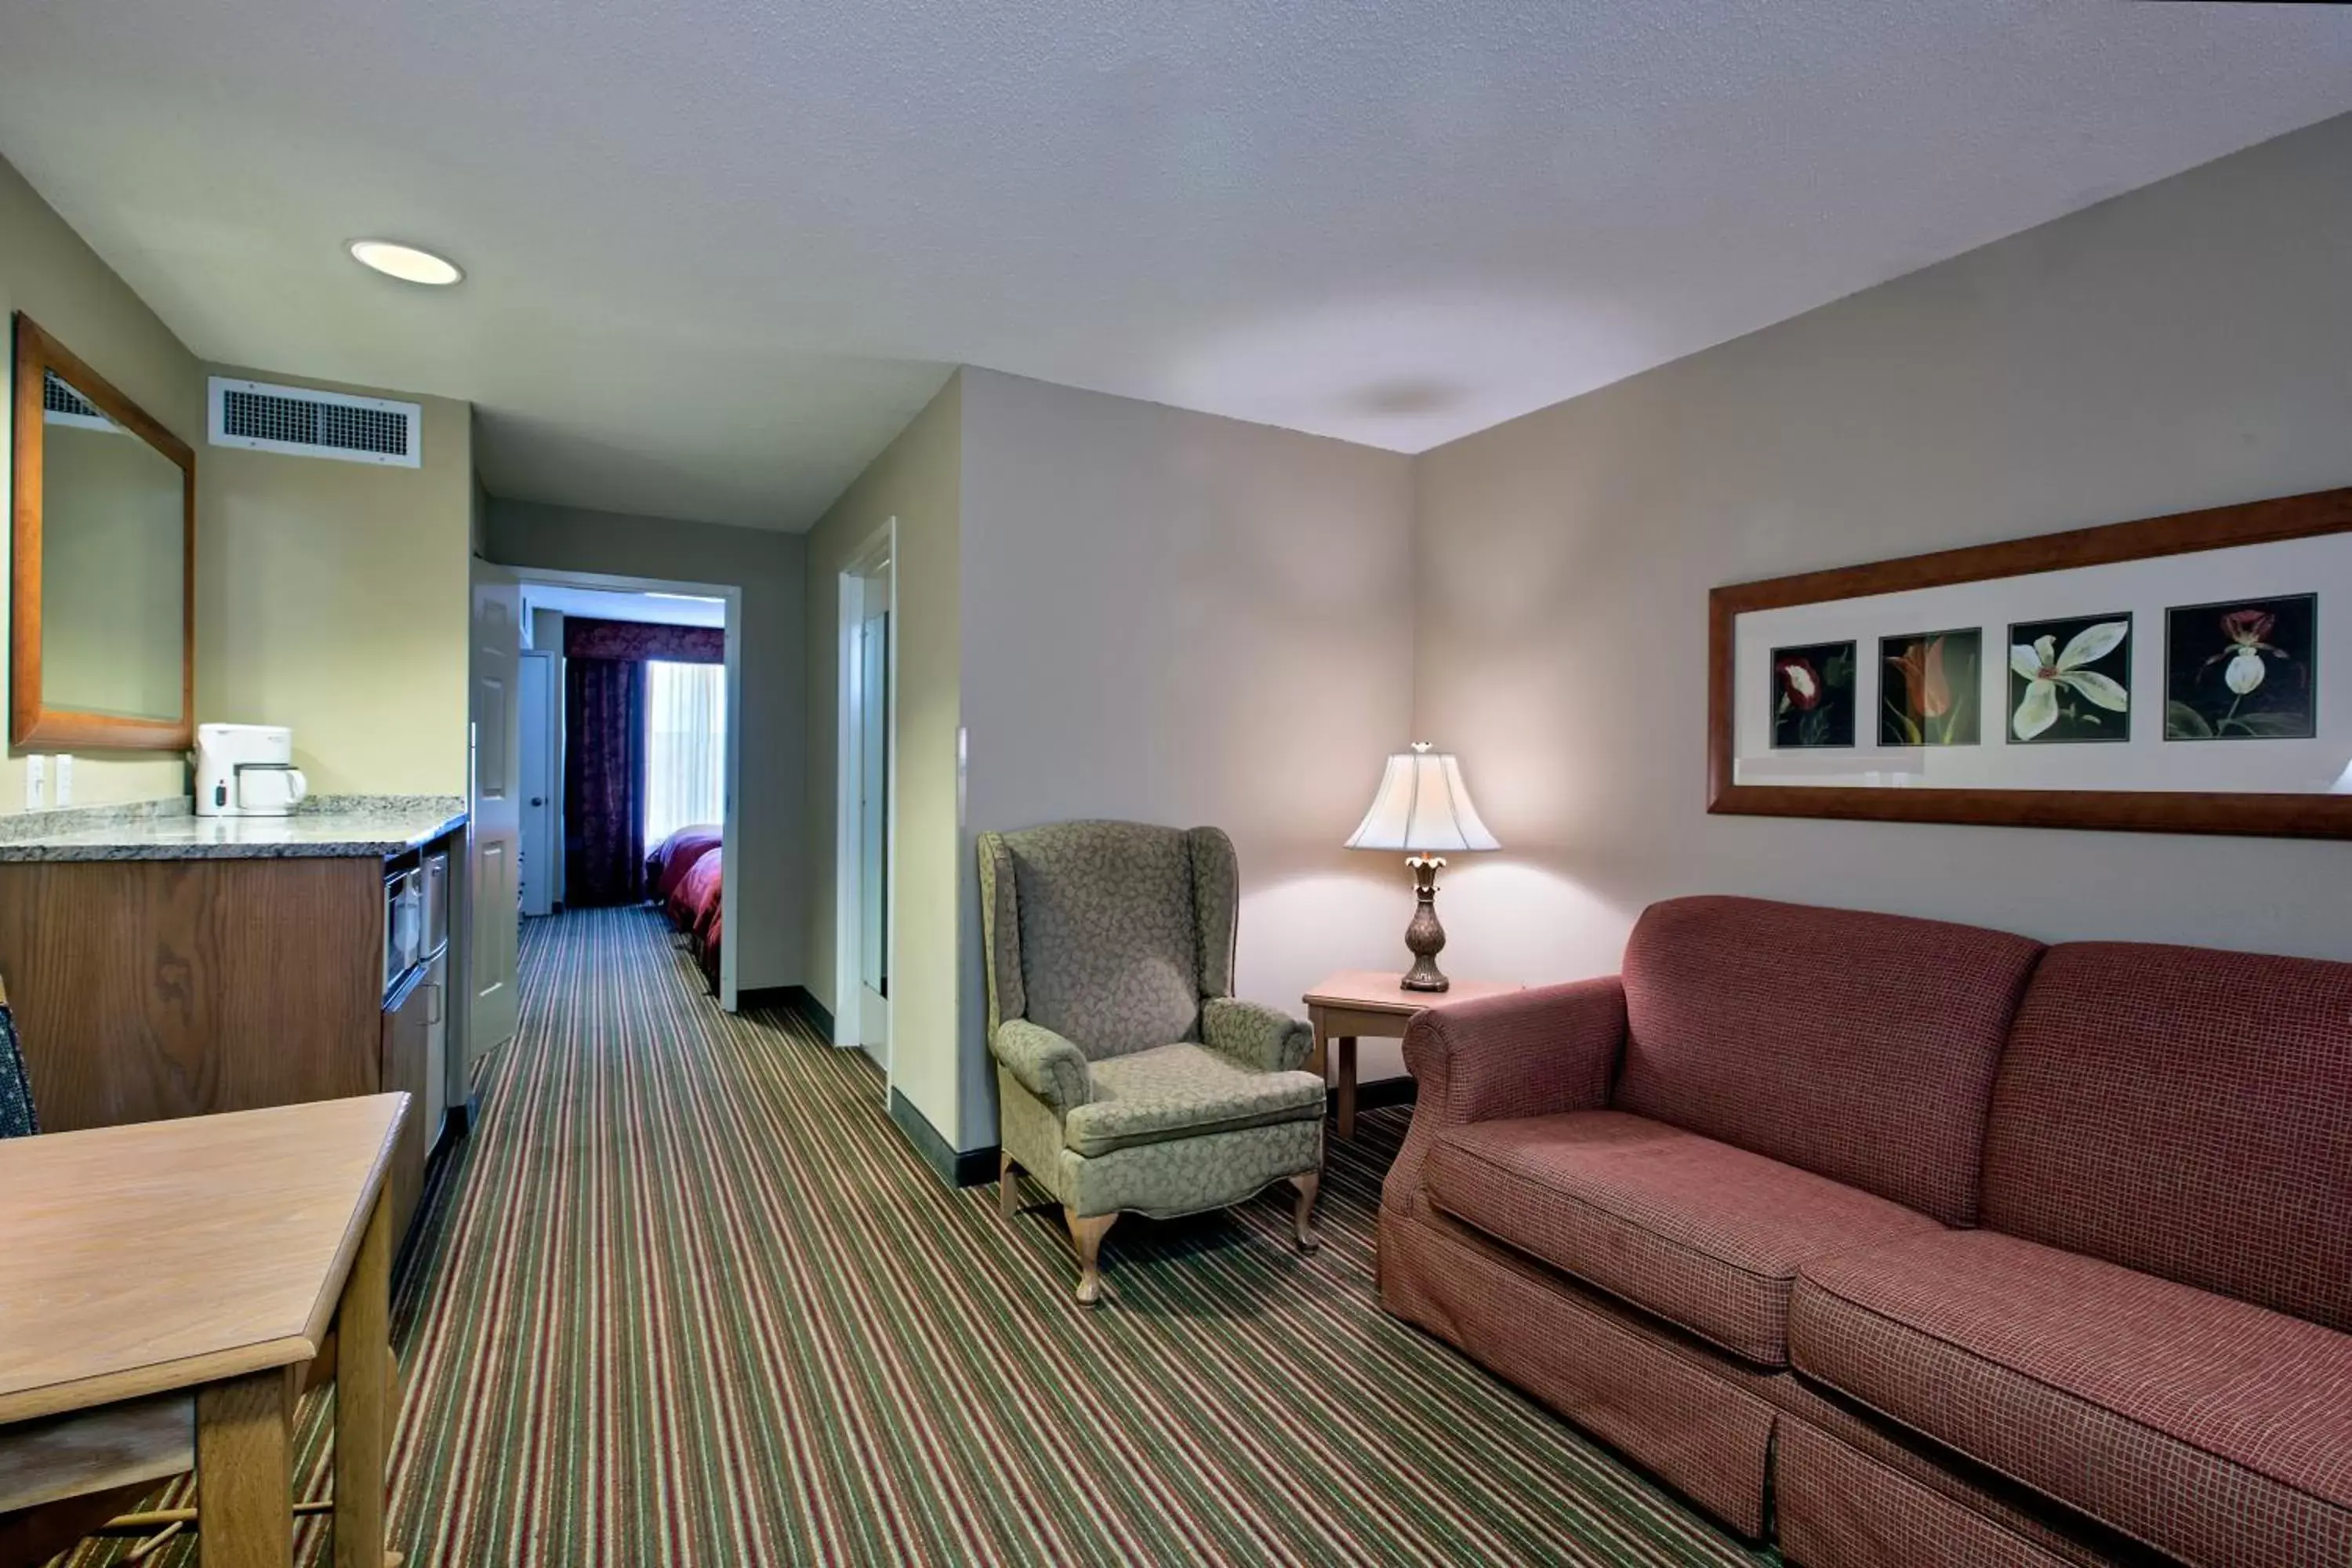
<point x="1422" y="806"/>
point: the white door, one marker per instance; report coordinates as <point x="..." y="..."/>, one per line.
<point x="493" y="841"/>
<point x="874" y="825"/>
<point x="536" y="737"/>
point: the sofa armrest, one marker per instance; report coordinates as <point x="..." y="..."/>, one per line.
<point x="1529" y="1053"/>
<point x="1532" y="1052"/>
<point x="1043" y="1063"/>
<point x="1256" y="1036"/>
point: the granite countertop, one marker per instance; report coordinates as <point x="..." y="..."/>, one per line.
<point x="350" y="826"/>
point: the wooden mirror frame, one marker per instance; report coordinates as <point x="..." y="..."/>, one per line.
<point x="31" y="723"/>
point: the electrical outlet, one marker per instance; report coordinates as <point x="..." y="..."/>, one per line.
<point x="36" y="782"/>
<point x="64" y="778"/>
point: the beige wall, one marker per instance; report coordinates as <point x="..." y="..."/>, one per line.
<point x="772" y="861"/>
<point x="50" y="274"/>
<point x="332" y="597"/>
<point x="329" y="595"/>
<point x="1134" y="612"/>
<point x="918" y="481"/>
<point x="2181" y="346"/>
<point x="1177" y="618"/>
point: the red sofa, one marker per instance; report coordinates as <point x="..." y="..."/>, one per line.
<point x="1908" y="1243"/>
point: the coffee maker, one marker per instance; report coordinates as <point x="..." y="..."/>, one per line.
<point x="246" y="770"/>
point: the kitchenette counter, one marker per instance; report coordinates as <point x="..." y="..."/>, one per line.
<point x="379" y="826"/>
<point x="164" y="964"/>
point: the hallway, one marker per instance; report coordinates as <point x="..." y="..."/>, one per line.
<point x="687" y="1299"/>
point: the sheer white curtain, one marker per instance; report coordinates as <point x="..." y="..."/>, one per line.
<point x="685" y="723"/>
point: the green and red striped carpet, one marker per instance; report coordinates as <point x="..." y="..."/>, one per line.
<point x="687" y="1298"/>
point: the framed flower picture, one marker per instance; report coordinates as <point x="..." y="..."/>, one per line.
<point x="2167" y="675"/>
<point x="2243" y="670"/>
<point x="2071" y="679"/>
<point x="1928" y="689"/>
<point x="1812" y="696"/>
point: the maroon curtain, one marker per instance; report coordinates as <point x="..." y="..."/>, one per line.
<point x="604" y="781"/>
<point x="643" y="641"/>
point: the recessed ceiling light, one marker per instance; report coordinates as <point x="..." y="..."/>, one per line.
<point x="404" y="262"/>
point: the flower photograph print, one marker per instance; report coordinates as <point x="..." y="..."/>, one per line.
<point x="1813" y="694"/>
<point x="2071" y="679"/>
<point x="2241" y="670"/>
<point x="1928" y="689"/>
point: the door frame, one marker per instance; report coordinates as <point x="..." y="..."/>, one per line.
<point x="731" y="743"/>
<point x="849" y="973"/>
<point x="548" y="877"/>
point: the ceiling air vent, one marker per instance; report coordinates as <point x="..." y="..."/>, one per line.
<point x="61" y="405"/>
<point x="309" y="424"/>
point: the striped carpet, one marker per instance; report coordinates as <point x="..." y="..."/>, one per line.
<point x="688" y="1299"/>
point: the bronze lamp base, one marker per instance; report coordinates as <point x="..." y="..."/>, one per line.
<point x="1424" y="936"/>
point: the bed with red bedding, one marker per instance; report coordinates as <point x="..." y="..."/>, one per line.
<point x="682" y="876"/>
<point x="698" y="897"/>
<point x="667" y="862"/>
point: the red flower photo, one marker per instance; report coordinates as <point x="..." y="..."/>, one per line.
<point x="1813" y="694"/>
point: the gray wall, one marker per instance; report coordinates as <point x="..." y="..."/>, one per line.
<point x="2185" y="345"/>
<point x="1183" y="619"/>
<point x="914" y="487"/>
<point x="763" y="915"/>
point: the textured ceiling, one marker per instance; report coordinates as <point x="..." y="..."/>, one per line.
<point x="720" y="250"/>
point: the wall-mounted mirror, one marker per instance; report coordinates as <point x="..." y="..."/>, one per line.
<point x="101" y="645"/>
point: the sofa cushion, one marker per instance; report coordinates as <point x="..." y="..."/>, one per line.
<point x="1702" y="1234"/>
<point x="2213" y="1430"/>
<point x="1183" y="1091"/>
<point x="2185" y="1112"/>
<point x="1860" y="1046"/>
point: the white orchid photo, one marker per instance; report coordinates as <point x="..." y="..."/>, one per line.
<point x="2070" y="679"/>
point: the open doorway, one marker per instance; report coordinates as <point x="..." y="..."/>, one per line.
<point x="867" y="798"/>
<point x="629" y="756"/>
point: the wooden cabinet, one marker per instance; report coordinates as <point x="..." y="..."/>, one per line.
<point x="145" y="989"/>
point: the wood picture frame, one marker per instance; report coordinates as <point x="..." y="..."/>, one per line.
<point x="32" y="722"/>
<point x="2263" y="813"/>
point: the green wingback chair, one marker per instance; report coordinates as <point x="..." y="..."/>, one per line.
<point x="1130" y="1079"/>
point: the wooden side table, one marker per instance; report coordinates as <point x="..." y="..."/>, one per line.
<point x="1356" y="1003"/>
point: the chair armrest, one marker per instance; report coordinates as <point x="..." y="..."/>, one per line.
<point x="1532" y="1052"/>
<point x="1043" y="1063"/>
<point x="1259" y="1037"/>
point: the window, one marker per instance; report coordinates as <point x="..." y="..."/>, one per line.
<point x="686" y="726"/>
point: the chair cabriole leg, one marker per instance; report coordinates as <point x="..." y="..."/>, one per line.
<point x="1088" y="1233"/>
<point x="1309" y="1185"/>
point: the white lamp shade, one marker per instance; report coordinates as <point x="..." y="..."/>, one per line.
<point x="1422" y="805"/>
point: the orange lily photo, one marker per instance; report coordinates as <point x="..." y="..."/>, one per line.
<point x="1929" y="689"/>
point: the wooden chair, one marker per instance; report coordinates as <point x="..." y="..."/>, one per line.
<point x="71" y="1476"/>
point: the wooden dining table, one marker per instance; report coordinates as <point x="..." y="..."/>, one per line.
<point x="165" y="1285"/>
